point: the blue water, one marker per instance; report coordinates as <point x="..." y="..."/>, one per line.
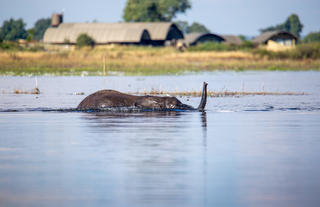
<point x="243" y="151"/>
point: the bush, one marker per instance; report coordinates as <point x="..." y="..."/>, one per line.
<point x="247" y="45"/>
<point x="308" y="50"/>
<point x="301" y="51"/>
<point x="14" y="46"/>
<point x="211" y="46"/>
<point x="312" y="37"/>
<point x="216" y="46"/>
<point x="85" y="40"/>
<point x="6" y="45"/>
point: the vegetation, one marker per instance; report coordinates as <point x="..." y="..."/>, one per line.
<point x="135" y="60"/>
<point x="216" y="46"/>
<point x="12" y="30"/>
<point x="40" y="27"/>
<point x="242" y="37"/>
<point x="8" y="46"/>
<point x="30" y="34"/>
<point x="153" y="10"/>
<point x="194" y="27"/>
<point x="84" y="40"/>
<point x="312" y="37"/>
<point x="292" y="25"/>
<point x="301" y="51"/>
<point x="197" y="27"/>
<point x="212" y="46"/>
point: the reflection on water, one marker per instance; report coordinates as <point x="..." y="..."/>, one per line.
<point x="155" y="160"/>
<point x="240" y="152"/>
<point x="159" y="159"/>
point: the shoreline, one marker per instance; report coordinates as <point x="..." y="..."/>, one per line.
<point x="141" y="61"/>
<point x="151" y="73"/>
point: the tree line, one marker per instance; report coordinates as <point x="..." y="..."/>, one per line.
<point x="12" y="30"/>
<point x="146" y="11"/>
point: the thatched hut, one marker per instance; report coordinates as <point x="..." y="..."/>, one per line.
<point x="101" y="33"/>
<point x="160" y="32"/>
<point x="232" y="39"/>
<point x="195" y="38"/>
<point x="157" y="33"/>
<point x="281" y="37"/>
<point x="276" y="40"/>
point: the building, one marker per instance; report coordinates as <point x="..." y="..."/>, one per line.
<point x="232" y="39"/>
<point x="158" y="33"/>
<point x="101" y="33"/>
<point x="276" y="40"/>
<point x="195" y="38"/>
<point x="161" y="33"/>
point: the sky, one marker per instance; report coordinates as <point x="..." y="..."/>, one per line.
<point x="219" y="16"/>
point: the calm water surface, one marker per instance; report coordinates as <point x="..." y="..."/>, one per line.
<point x="243" y="151"/>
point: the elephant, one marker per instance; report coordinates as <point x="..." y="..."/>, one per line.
<point x="106" y="99"/>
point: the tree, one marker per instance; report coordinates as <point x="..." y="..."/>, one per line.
<point x="84" y="40"/>
<point x="30" y="34"/>
<point x="12" y="30"/>
<point x="312" y="37"/>
<point x="292" y="25"/>
<point x="154" y="10"/>
<point x="194" y="27"/>
<point x="183" y="26"/>
<point x="40" y="27"/>
<point x="197" y="27"/>
<point x="242" y="37"/>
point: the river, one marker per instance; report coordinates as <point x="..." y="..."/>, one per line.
<point x="242" y="151"/>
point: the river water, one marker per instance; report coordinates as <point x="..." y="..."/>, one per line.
<point x="243" y="151"/>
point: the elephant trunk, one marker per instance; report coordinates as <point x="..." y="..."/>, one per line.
<point x="203" y="102"/>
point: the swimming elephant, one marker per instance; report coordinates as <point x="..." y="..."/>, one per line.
<point x="106" y="99"/>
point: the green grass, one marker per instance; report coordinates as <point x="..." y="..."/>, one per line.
<point x="215" y="46"/>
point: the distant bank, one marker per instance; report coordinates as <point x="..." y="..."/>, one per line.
<point x="138" y="60"/>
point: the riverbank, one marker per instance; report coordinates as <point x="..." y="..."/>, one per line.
<point x="130" y="60"/>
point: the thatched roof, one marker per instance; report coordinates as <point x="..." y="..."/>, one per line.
<point x="194" y="38"/>
<point x="113" y="32"/>
<point x="100" y="32"/>
<point x="159" y="30"/>
<point x="264" y="37"/>
<point x="232" y="39"/>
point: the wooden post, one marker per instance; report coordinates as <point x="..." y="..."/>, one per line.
<point x="104" y="65"/>
<point x="104" y="71"/>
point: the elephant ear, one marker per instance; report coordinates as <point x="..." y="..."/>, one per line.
<point x="149" y="102"/>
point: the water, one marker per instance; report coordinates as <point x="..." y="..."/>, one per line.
<point x="243" y="151"/>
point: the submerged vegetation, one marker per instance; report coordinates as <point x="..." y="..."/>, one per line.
<point x="138" y="60"/>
